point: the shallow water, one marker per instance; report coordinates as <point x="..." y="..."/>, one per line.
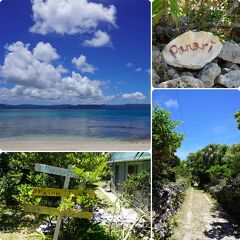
<point x="82" y="123"/>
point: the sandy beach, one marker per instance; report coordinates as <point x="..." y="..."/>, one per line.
<point x="71" y="144"/>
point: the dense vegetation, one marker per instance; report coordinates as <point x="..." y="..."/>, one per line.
<point x="169" y="173"/>
<point x="17" y="177"/>
<point x="165" y="142"/>
<point x="237" y="116"/>
<point x="173" y="17"/>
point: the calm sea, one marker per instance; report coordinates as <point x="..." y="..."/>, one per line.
<point x="82" y="123"/>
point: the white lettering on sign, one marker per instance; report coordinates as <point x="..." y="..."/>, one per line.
<point x="54" y="170"/>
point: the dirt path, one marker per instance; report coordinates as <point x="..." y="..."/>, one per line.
<point x="200" y="219"/>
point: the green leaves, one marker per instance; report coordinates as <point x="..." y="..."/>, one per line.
<point x="215" y="161"/>
<point x="237" y="116"/>
<point x="165" y="141"/>
<point x="164" y="9"/>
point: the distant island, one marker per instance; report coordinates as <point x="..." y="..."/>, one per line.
<point x="79" y="106"/>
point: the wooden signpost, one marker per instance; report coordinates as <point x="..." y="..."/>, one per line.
<point x="56" y="212"/>
<point x="55" y="192"/>
<point x="67" y="173"/>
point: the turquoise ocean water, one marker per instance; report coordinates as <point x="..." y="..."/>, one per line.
<point x="83" y="123"/>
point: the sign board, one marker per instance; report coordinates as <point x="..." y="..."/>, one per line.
<point x="192" y="50"/>
<point x="55" y="170"/>
<point x="56" y="212"/>
<point x="54" y="192"/>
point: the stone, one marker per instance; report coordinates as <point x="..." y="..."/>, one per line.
<point x="171" y="74"/>
<point x="230" y="52"/>
<point x="182" y="82"/>
<point x="156" y="57"/>
<point x="155" y="77"/>
<point x="231" y="65"/>
<point x="209" y="73"/>
<point x="189" y="74"/>
<point x="225" y="70"/>
<point x="230" y="80"/>
<point x="192" y="50"/>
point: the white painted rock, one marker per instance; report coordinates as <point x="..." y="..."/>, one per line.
<point x="192" y="50"/>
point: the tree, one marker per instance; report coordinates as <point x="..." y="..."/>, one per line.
<point x="17" y="169"/>
<point x="165" y="141"/>
<point x="232" y="158"/>
<point x="201" y="161"/>
<point x="237" y="116"/>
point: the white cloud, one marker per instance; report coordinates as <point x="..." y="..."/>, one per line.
<point x="100" y="39"/>
<point x="45" y="52"/>
<point x="22" y="67"/>
<point x="128" y="64"/>
<point x="70" y="16"/>
<point x="82" y="65"/>
<point x="71" y="87"/>
<point x="136" y="96"/>
<point x="78" y="86"/>
<point x="33" y="78"/>
<point x="171" y="103"/>
<point x="138" y="69"/>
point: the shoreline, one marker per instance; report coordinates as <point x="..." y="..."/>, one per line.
<point x="72" y="144"/>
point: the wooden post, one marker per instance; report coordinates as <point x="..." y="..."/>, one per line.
<point x="59" y="219"/>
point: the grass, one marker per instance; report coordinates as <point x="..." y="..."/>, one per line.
<point x="16" y="225"/>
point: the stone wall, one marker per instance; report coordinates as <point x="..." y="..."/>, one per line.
<point x="229" y="197"/>
<point x="166" y="201"/>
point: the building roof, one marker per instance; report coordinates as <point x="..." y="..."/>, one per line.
<point x="129" y="156"/>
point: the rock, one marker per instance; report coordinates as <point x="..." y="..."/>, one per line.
<point x="171" y="74"/>
<point x="155" y="77"/>
<point x="230" y="65"/>
<point x="192" y="50"/>
<point x="225" y="70"/>
<point x="230" y="80"/>
<point x="182" y="82"/>
<point x="166" y="202"/>
<point x="230" y="52"/>
<point x="189" y="74"/>
<point x="156" y="57"/>
<point x="209" y="73"/>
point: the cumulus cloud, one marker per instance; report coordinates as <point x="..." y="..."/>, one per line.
<point x="82" y="65"/>
<point x="100" y="39"/>
<point x="171" y="103"/>
<point x="136" y="96"/>
<point x="22" y="67"/>
<point x="70" y="16"/>
<point x="35" y="78"/>
<point x="138" y="69"/>
<point x="45" y="52"/>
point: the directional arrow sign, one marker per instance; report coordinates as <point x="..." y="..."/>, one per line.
<point x="55" y="170"/>
<point x="56" y="212"/>
<point x="54" y="192"/>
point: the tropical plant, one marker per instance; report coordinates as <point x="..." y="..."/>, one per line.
<point x="165" y="142"/>
<point x="237" y="116"/>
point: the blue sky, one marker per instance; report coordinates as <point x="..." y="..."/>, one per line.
<point x="207" y="116"/>
<point x="60" y="51"/>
